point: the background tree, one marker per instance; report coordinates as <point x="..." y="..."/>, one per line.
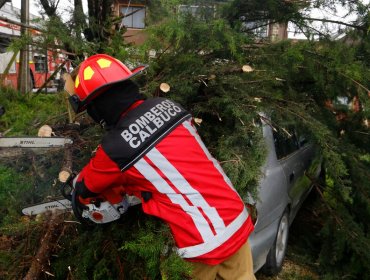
<point x="82" y="32"/>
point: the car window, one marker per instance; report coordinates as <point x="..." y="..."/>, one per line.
<point x="286" y="142"/>
<point x="302" y="140"/>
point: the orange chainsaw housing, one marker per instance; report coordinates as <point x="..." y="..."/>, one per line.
<point x="113" y="195"/>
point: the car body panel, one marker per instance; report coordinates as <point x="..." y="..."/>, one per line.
<point x="282" y="186"/>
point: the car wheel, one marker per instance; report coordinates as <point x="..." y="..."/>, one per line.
<point x="276" y="255"/>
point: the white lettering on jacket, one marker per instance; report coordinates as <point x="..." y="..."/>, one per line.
<point x="149" y="122"/>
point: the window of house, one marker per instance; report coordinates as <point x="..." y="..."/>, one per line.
<point x="136" y="18"/>
<point x="40" y="63"/>
<point x="201" y="12"/>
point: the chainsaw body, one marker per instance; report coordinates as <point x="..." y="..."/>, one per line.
<point x="105" y="208"/>
<point x="105" y="213"/>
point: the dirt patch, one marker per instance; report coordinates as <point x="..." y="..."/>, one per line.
<point x="6" y="243"/>
<point x="292" y="271"/>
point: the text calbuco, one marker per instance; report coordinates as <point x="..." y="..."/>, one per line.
<point x="149" y="122"/>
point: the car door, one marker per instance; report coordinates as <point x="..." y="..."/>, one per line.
<point x="292" y="159"/>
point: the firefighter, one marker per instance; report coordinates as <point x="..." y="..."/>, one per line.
<point x="153" y="149"/>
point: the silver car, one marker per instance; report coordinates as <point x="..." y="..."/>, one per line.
<point x="281" y="191"/>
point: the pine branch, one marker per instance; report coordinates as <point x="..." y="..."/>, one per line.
<point x="339" y="72"/>
<point x="359" y="27"/>
<point x="309" y="27"/>
<point x="259" y="26"/>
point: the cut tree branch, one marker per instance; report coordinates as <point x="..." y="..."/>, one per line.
<point x="47" y="245"/>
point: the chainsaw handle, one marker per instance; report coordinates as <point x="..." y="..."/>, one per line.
<point x="67" y="187"/>
<point x="77" y="208"/>
<point x="66" y="191"/>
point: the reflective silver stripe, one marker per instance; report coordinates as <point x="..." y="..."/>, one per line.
<point x="186" y="189"/>
<point x="163" y="187"/>
<point x="216" y="241"/>
<point x="192" y="130"/>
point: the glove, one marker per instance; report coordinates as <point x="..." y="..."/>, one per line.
<point x="81" y="189"/>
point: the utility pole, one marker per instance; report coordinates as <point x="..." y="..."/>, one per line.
<point x="24" y="78"/>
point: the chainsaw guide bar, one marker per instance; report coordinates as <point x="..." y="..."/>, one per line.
<point x="34" y="142"/>
<point x="63" y="205"/>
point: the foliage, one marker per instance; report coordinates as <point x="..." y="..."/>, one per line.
<point x="12" y="189"/>
<point x="150" y="245"/>
<point x="125" y="250"/>
<point x="311" y="75"/>
<point x="200" y="58"/>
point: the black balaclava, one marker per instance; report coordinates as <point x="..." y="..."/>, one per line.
<point x="108" y="107"/>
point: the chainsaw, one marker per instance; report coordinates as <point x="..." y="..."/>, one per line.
<point x="102" y="209"/>
<point x="34" y="142"/>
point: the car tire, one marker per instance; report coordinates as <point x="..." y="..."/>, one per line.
<point x="276" y="255"/>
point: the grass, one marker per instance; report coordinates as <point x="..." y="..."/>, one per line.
<point x="26" y="113"/>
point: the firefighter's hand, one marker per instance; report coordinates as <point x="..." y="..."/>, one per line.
<point x="82" y="190"/>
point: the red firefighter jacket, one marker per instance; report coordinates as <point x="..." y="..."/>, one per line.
<point x="188" y="187"/>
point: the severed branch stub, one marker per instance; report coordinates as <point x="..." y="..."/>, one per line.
<point x="164" y="87"/>
<point x="45" y="131"/>
<point x="247" y="69"/>
<point x="66" y="170"/>
<point x="161" y="90"/>
<point x="227" y="71"/>
<point x="238" y="69"/>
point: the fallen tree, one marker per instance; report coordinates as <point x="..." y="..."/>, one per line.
<point x="297" y="82"/>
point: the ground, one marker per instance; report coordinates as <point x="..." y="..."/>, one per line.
<point x="292" y="270"/>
